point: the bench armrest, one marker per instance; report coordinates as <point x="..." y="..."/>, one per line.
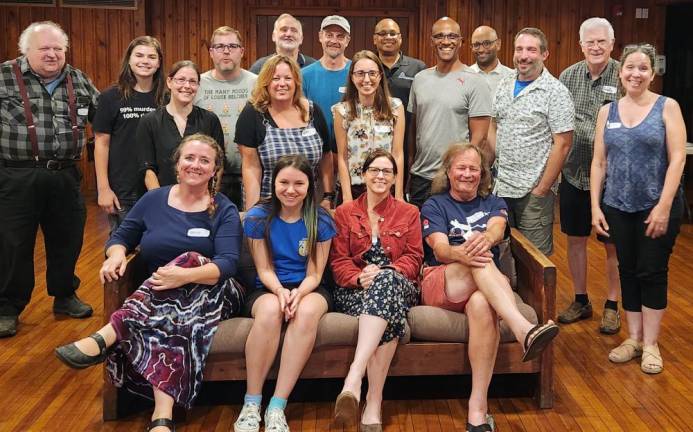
<point x="115" y="292"/>
<point x="536" y="276"/>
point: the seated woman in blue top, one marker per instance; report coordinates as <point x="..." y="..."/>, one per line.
<point x="289" y="237"/>
<point x="189" y="238"/>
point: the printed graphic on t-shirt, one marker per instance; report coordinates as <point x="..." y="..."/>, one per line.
<point x="130" y="112"/>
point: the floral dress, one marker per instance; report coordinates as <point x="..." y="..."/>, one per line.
<point x="365" y="134"/>
<point x="390" y="296"/>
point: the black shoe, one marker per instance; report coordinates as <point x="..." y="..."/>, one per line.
<point x="8" y="325"/>
<point x="76" y="359"/>
<point x="71" y="306"/>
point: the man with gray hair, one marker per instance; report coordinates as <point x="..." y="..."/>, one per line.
<point x="592" y="83"/>
<point x="287" y="37"/>
<point x="47" y="104"/>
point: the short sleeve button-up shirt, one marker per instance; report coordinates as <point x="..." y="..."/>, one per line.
<point x="50" y="110"/>
<point x="588" y="95"/>
<point x="525" y="127"/>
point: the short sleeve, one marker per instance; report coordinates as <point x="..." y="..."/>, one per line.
<point x="479" y="98"/>
<point x="497" y="207"/>
<point x="246" y="127"/>
<point x="326" y="226"/>
<point x="255" y="222"/>
<point x="341" y="109"/>
<point x="561" y="110"/>
<point x="394" y="104"/>
<point x="104" y="118"/>
<point x="432" y="218"/>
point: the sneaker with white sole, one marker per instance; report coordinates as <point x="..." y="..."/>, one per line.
<point x="249" y="419"/>
<point x="275" y="420"/>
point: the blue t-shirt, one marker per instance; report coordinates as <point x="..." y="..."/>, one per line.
<point x="519" y="85"/>
<point x="457" y="219"/>
<point x="164" y="232"/>
<point x="287" y="241"/>
<point x="325" y="88"/>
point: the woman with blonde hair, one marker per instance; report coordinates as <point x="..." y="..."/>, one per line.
<point x="278" y="120"/>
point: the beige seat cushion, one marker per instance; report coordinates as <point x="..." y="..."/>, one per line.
<point x="434" y="324"/>
<point x="335" y="329"/>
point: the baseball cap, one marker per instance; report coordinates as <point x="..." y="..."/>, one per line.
<point x="336" y="20"/>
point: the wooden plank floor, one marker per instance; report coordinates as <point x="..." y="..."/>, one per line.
<point x="38" y="393"/>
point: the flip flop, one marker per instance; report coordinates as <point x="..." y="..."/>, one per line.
<point x="541" y="335"/>
<point x="346" y="408"/>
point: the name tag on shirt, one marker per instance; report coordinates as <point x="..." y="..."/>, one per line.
<point x="382" y="128"/>
<point x="615" y="125"/>
<point x="342" y="90"/>
<point x="308" y="132"/>
<point x="198" y="232"/>
<point x="82" y="111"/>
<point x="609" y="89"/>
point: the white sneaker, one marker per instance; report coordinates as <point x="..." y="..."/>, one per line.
<point x="249" y="419"/>
<point x="275" y="420"/>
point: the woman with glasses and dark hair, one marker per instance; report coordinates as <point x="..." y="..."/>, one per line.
<point x="140" y="90"/>
<point x="278" y="120"/>
<point x="367" y="119"/>
<point x="639" y="156"/>
<point x="289" y="236"/>
<point x="375" y="258"/>
<point x="189" y="237"/>
<point x="160" y="132"/>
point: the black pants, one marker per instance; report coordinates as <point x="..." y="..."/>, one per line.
<point x="30" y="197"/>
<point x="419" y="190"/>
<point x="643" y="262"/>
<point x="232" y="187"/>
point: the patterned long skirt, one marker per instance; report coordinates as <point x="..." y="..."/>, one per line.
<point x="164" y="336"/>
<point x="390" y="296"/>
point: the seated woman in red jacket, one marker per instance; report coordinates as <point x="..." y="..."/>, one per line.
<point x="375" y="258"/>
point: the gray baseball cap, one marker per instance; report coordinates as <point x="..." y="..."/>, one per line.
<point x="336" y="20"/>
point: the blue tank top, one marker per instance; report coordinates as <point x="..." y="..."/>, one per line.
<point x="636" y="160"/>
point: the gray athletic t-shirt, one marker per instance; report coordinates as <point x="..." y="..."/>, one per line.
<point x="443" y="104"/>
<point x="226" y="99"/>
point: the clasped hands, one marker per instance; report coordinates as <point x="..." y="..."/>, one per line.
<point x="476" y="250"/>
<point x="288" y="301"/>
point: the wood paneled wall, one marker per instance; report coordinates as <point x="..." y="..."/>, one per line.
<point x="99" y="36"/>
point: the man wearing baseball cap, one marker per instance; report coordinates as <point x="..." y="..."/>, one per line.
<point x="324" y="82"/>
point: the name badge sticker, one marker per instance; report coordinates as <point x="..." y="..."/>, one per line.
<point x="82" y="111"/>
<point x="308" y="132"/>
<point x="382" y="128"/>
<point x="609" y="89"/>
<point x="342" y="90"/>
<point x="198" y="232"/>
<point x="614" y="125"/>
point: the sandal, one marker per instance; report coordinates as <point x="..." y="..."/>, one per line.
<point x="628" y="350"/>
<point x="538" y="339"/>
<point x="651" y="362"/>
<point x="76" y="359"/>
<point x="165" y="422"/>
<point x="489" y="426"/>
<point x="346" y="408"/>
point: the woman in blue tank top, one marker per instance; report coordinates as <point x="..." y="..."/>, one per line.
<point x="639" y="155"/>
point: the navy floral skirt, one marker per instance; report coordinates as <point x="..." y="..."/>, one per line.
<point x="164" y="336"/>
<point x="390" y="296"/>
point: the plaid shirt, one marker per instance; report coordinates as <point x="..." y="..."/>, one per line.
<point x="588" y="95"/>
<point x="51" y="114"/>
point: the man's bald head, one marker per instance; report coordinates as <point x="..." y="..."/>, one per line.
<point x="446" y="22"/>
<point x="485" y="44"/>
<point x="387" y="37"/>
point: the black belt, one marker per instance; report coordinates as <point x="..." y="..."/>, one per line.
<point x="49" y="164"/>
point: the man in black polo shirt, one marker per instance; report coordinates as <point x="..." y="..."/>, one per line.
<point x="399" y="70"/>
<point x="47" y="104"/>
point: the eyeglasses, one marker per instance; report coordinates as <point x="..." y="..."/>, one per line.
<point x="449" y="36"/>
<point x="182" y="81"/>
<point x="338" y="36"/>
<point x="601" y="43"/>
<point x="220" y="48"/>
<point x="372" y="74"/>
<point x="486" y="44"/>
<point x="383" y="34"/>
<point x="386" y="172"/>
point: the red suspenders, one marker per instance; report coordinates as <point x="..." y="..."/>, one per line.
<point x="72" y="106"/>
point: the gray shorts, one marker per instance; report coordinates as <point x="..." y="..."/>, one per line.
<point x="533" y="216"/>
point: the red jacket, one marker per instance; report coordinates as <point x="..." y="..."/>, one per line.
<point x="400" y="237"/>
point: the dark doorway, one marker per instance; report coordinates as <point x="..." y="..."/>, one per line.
<point x="678" y="80"/>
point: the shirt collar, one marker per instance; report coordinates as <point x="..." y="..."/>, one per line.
<point x="24" y="66"/>
<point x="361" y="205"/>
<point x="496" y="70"/>
<point x="610" y="64"/>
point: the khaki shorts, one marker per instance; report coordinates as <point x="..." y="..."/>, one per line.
<point x="433" y="290"/>
<point x="533" y="216"/>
